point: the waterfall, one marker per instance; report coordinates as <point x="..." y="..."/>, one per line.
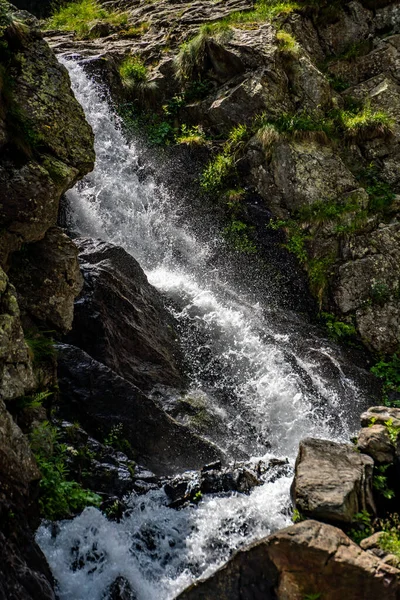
<point x="282" y="389"/>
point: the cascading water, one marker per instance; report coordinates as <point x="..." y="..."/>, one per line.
<point x="277" y="394"/>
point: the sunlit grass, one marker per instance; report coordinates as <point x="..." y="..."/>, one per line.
<point x="81" y="16"/>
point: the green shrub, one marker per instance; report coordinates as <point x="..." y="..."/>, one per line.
<point x="287" y="43"/>
<point x="363" y="527"/>
<point x="191" y="136"/>
<point x="237" y="234"/>
<point x="132" y="71"/>
<point x="41" y="346"/>
<point x="338" y="330"/>
<point x="33" y="401"/>
<point x="389" y="372"/>
<point x="305" y="125"/>
<point x="364" y="123"/>
<point x="380" y="483"/>
<point x="218" y="170"/>
<point x="59" y="497"/>
<point x="390" y="540"/>
<point x="81" y="15"/>
<point x="213" y="177"/>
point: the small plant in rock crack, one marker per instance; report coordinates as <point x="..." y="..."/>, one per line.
<point x="389" y="372"/>
<point x="379" y="482"/>
<point x="59" y="496"/>
<point x="363" y="527"/>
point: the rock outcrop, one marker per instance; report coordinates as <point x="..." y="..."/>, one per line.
<point x="333" y="482"/>
<point x="307" y="559"/>
<point x="48" y="279"/>
<point x="120" y="319"/>
<point x="100" y="399"/>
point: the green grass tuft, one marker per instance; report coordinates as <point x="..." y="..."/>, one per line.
<point x="133" y="72"/>
<point x="80" y="16"/>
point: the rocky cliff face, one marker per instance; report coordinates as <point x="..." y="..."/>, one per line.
<point x="46" y="145"/>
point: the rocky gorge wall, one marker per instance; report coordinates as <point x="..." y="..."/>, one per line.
<point x="39" y="160"/>
<point x="305" y="89"/>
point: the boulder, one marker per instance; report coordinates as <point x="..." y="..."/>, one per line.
<point x="332" y="481"/>
<point x="379" y="415"/>
<point x="120" y="589"/>
<point x="378" y="437"/>
<point x="48" y="279"/>
<point x="375" y="441"/>
<point x="298" y="173"/>
<point x="307" y="560"/>
<point x="100" y="399"/>
<point x="216" y="479"/>
<point x="120" y="319"/>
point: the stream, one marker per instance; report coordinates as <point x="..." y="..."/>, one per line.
<point x="285" y="382"/>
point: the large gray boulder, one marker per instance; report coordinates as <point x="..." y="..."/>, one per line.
<point x="307" y="560"/>
<point x="333" y="482"/>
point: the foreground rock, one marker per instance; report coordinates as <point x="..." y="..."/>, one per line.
<point x="307" y="559"/>
<point x="332" y="482"/>
<point x="120" y="319"/>
<point x="100" y="400"/>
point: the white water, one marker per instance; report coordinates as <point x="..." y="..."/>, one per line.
<point x="276" y="393"/>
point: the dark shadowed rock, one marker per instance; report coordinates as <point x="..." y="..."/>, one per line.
<point x="121" y="589"/>
<point x="48" y="279"/>
<point x="16" y="376"/>
<point x="24" y="574"/>
<point x="215" y="479"/>
<point x="101" y="399"/>
<point x="120" y="319"/>
<point x="307" y="560"/>
<point x="332" y="481"/>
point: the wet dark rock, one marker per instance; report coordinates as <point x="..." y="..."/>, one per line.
<point x="121" y="589"/>
<point x="216" y="479"/>
<point x="333" y="481"/>
<point x="305" y="560"/>
<point x="100" y="399"/>
<point x="120" y="319"/>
